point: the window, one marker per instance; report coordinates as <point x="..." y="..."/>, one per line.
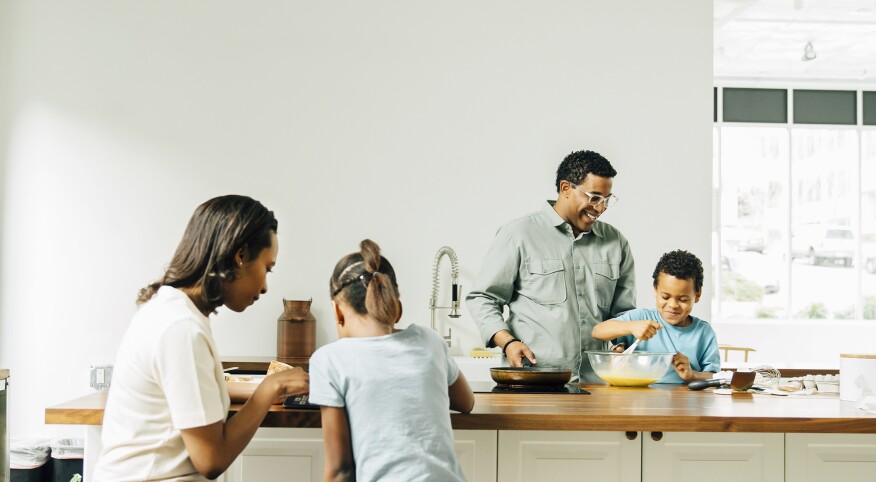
<point x="797" y="230"/>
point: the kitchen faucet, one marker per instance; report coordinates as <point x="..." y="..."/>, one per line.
<point x="456" y="288"/>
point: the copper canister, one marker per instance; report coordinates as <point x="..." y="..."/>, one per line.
<point x="296" y="332"/>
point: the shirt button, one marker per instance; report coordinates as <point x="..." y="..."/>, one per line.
<point x="544" y="270"/>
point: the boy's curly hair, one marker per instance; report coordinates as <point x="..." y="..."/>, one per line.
<point x="682" y="265"/>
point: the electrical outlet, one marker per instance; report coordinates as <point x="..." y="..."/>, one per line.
<point x="101" y="376"/>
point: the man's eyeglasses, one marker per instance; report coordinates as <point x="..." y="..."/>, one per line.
<point x="595" y="199"/>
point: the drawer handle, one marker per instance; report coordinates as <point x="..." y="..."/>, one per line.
<point x="632" y="435"/>
<point x="656" y="436"/>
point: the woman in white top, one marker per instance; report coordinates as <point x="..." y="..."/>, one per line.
<point x="165" y="416"/>
<point x="385" y="393"/>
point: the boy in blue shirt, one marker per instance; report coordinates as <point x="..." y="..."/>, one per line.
<point x="678" y="284"/>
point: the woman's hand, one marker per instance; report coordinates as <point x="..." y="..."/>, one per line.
<point x="293" y="381"/>
<point x="644" y="329"/>
<point x="296" y="381"/>
<point x="214" y="447"/>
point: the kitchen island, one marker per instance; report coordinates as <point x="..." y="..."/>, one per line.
<point x="667" y="431"/>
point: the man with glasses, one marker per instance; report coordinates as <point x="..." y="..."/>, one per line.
<point x="559" y="271"/>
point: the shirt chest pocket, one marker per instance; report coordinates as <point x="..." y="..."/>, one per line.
<point x="543" y="280"/>
<point x="605" y="275"/>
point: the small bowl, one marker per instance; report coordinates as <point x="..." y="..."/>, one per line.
<point x="636" y="369"/>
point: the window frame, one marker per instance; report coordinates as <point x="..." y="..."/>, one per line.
<point x="856" y="218"/>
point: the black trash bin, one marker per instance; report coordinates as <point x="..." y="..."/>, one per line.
<point x="28" y="460"/>
<point x="67" y="458"/>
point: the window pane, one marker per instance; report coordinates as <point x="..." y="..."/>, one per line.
<point x="825" y="107"/>
<point x="754" y="163"/>
<point x="869" y="101"/>
<point x="868" y="223"/>
<point x="823" y="175"/>
<point x="755" y="105"/>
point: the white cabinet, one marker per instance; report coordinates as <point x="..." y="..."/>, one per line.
<point x="279" y="455"/>
<point x="716" y="457"/>
<point x="828" y="456"/>
<point x="296" y="455"/>
<point x="476" y="451"/>
<point x="553" y="456"/>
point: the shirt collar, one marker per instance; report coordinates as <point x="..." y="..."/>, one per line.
<point x="171" y="293"/>
<point x="558" y="222"/>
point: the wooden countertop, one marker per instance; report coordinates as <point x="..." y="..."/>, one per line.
<point x="655" y="409"/>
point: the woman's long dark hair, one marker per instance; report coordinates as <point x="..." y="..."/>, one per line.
<point x="218" y="229"/>
<point x="367" y="282"/>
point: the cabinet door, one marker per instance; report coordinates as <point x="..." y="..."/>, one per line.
<point x="552" y="456"/>
<point x="716" y="457"/>
<point x="476" y="451"/>
<point x="830" y="456"/>
<point x="279" y="455"/>
<point x="295" y="455"/>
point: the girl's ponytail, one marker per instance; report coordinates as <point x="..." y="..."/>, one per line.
<point x="381" y="297"/>
<point x="367" y="282"/>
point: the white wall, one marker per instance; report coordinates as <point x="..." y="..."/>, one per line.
<point x="417" y="124"/>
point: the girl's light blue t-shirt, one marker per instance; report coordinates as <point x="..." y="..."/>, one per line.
<point x="696" y="341"/>
<point x="394" y="389"/>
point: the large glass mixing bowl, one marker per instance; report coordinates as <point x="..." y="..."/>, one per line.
<point x="636" y="369"/>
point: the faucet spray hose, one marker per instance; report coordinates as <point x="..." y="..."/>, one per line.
<point x="454" y="272"/>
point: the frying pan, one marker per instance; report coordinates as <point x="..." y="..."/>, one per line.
<point x="529" y="375"/>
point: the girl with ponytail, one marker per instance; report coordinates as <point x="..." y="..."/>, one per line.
<point x="384" y="392"/>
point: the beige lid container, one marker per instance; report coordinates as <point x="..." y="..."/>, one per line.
<point x="857" y="375"/>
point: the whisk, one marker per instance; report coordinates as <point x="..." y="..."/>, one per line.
<point x="620" y="361"/>
<point x="767" y="376"/>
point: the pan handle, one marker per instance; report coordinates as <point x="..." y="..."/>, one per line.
<point x="701" y="384"/>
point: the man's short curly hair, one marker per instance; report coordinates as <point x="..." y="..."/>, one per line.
<point x="682" y="265"/>
<point x="578" y="164"/>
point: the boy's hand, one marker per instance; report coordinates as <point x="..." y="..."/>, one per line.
<point x="681" y="364"/>
<point x="644" y="329"/>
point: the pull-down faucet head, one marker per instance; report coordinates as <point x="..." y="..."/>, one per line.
<point x="454" y="303"/>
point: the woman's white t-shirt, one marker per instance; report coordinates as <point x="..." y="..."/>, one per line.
<point x="167" y="377"/>
<point x="394" y="389"/>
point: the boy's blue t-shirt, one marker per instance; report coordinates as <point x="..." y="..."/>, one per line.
<point x="696" y="341"/>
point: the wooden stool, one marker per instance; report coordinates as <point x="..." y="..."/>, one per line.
<point x="728" y="348"/>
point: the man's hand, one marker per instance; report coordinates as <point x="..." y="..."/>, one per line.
<point x="515" y="353"/>
<point x="514" y="350"/>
